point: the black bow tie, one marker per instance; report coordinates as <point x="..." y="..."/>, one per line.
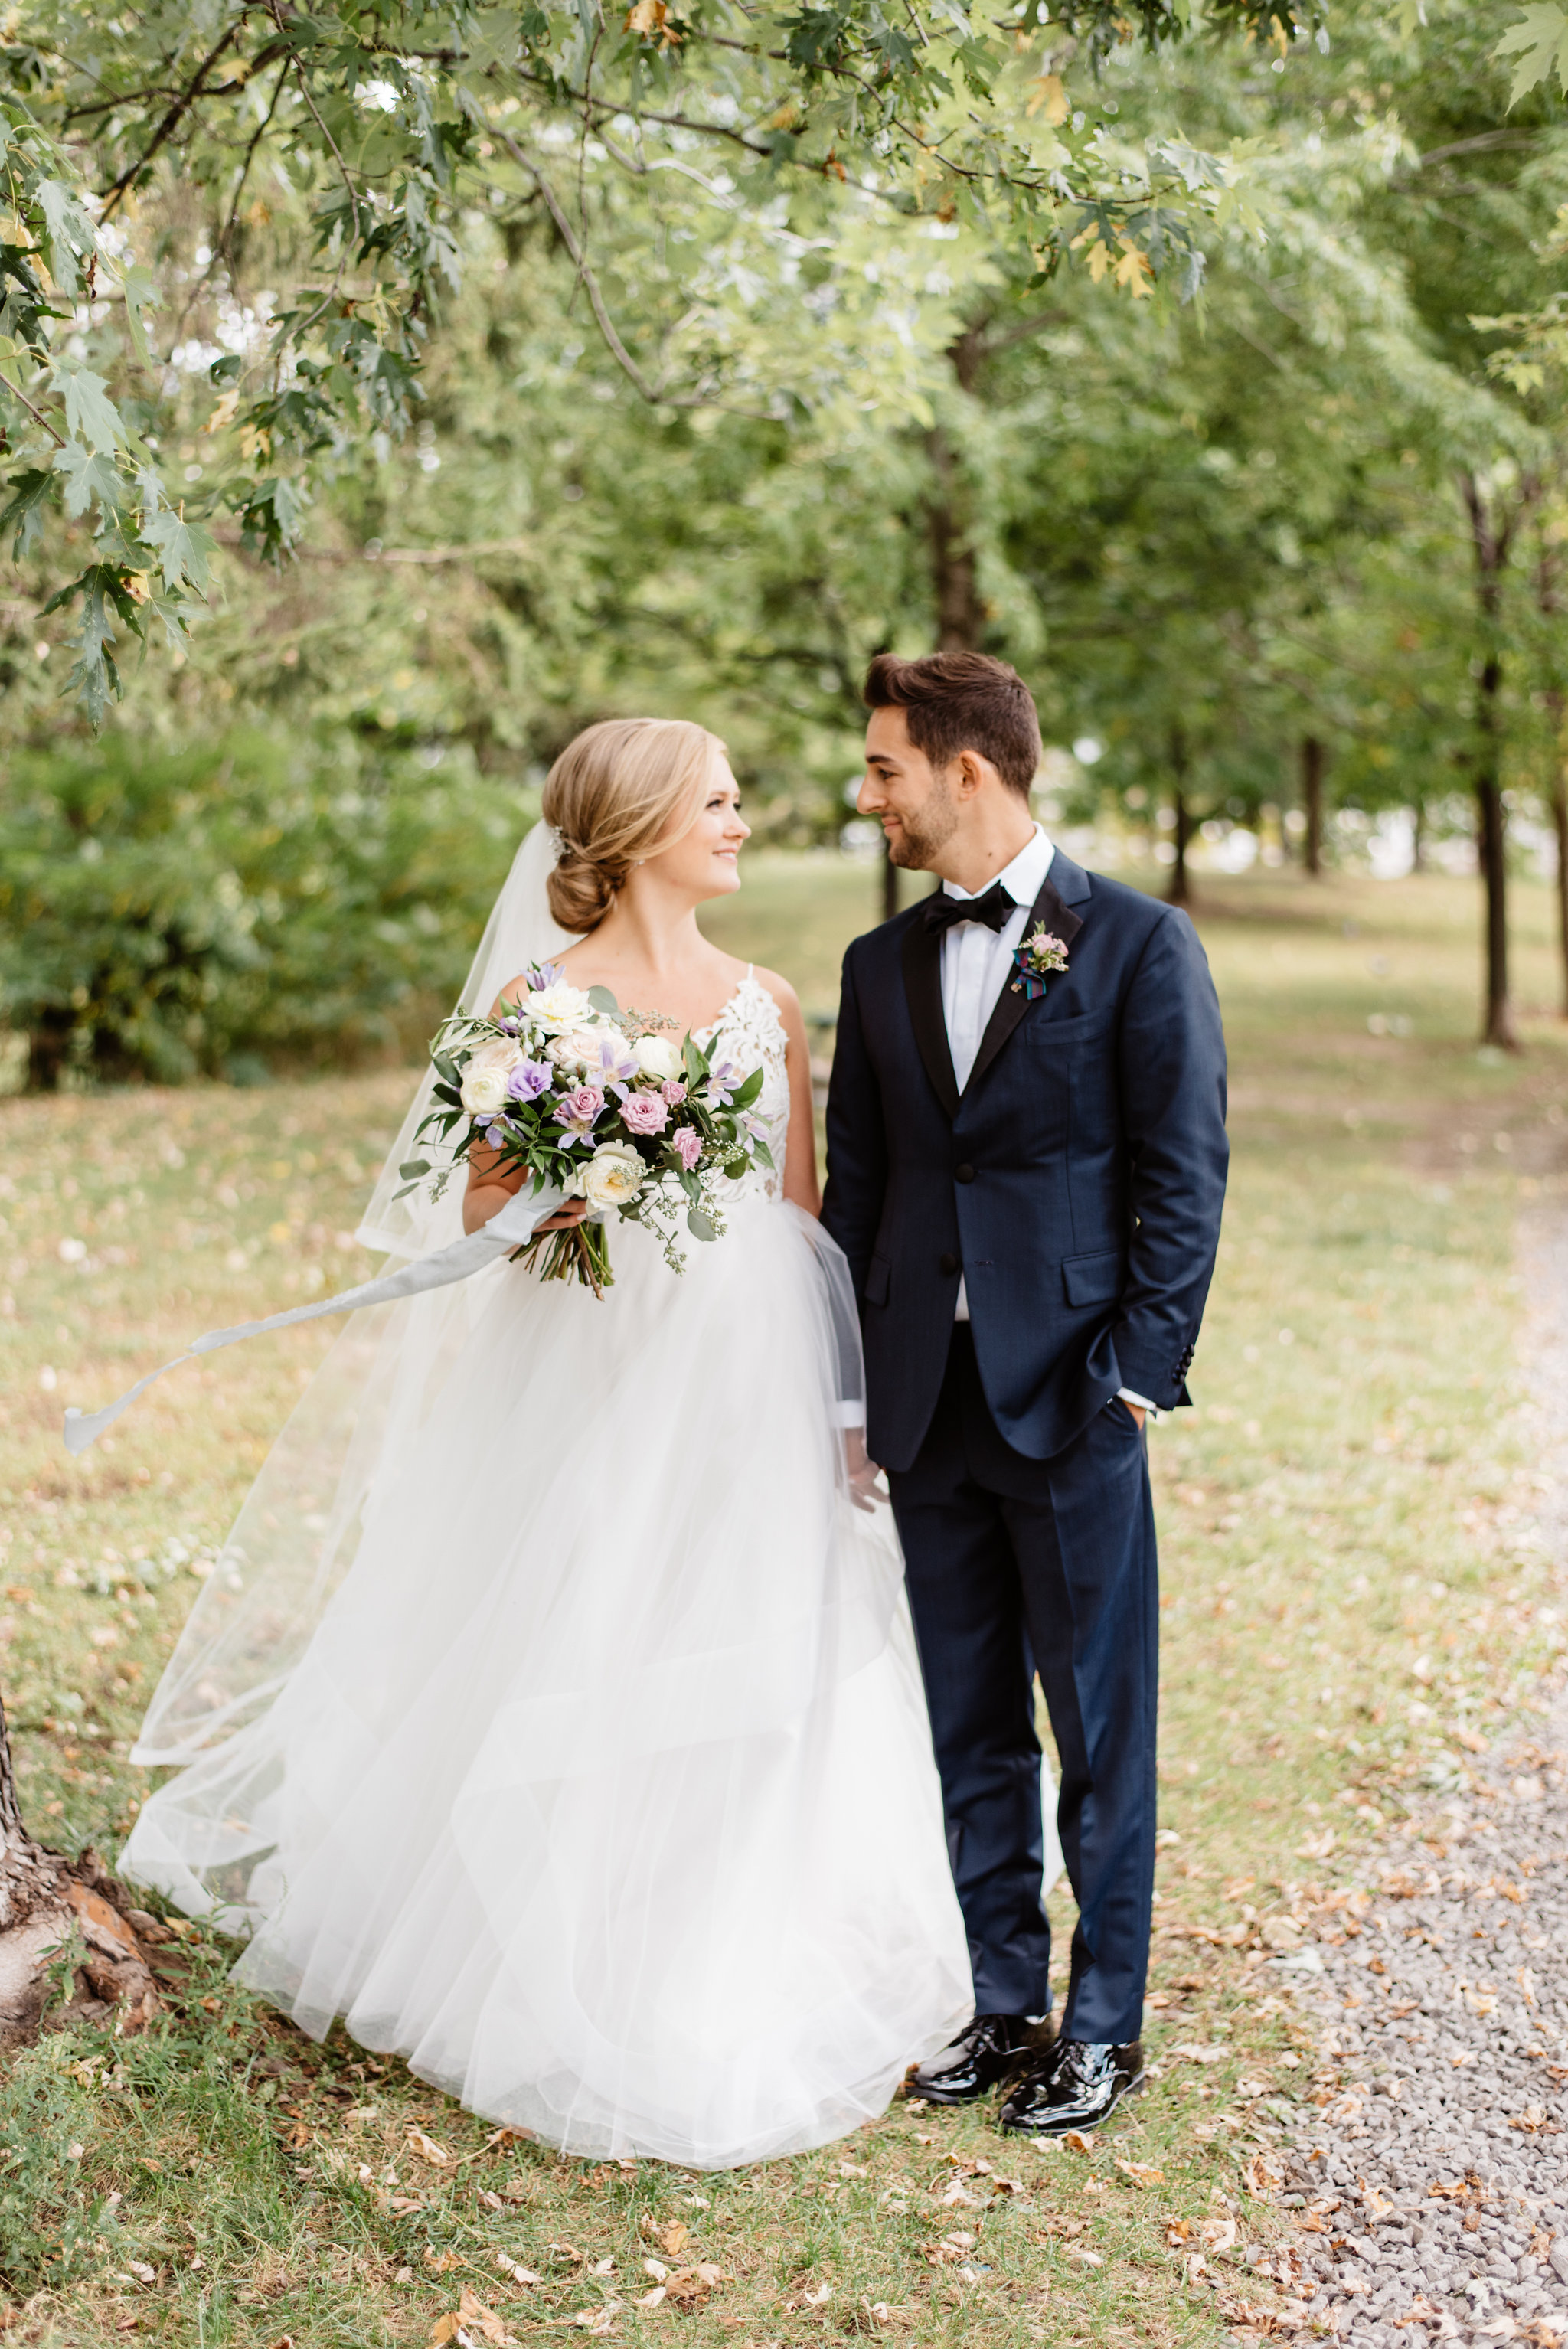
<point x="995" y="908"/>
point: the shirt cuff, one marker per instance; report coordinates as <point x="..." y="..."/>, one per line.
<point x="847" y="1414"/>
<point x="1152" y="1409"/>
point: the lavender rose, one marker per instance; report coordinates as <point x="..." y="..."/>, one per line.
<point x="686" y="1143"/>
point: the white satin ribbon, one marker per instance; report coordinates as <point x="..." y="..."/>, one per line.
<point x="512" y="1228"/>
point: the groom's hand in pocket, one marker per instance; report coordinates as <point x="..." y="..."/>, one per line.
<point x="863" y="1471"/>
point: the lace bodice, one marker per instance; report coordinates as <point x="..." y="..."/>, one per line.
<point x="750" y="1030"/>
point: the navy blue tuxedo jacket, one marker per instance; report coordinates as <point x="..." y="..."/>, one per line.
<point x="1077" y="1183"/>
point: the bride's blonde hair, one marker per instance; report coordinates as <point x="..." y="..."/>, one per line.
<point x="611" y="796"/>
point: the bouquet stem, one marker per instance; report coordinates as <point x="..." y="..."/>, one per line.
<point x="581" y="1252"/>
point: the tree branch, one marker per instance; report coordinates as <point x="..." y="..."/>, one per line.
<point x="170" y="124"/>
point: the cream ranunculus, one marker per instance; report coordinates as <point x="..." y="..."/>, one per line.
<point x="483" y="1089"/>
<point x="613" y="1175"/>
<point x="657" y="1056"/>
<point x="557" y="1009"/>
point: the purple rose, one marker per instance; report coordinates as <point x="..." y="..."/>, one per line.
<point x="673" y="1092"/>
<point x="645" y="1114"/>
<point x="579" y="1110"/>
<point x="529" y="1079"/>
<point x="686" y="1143"/>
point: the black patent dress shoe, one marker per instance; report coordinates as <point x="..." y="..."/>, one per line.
<point x="993" y="2048"/>
<point x="1077" y="2086"/>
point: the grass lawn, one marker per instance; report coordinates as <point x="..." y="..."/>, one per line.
<point x="1354" y="1601"/>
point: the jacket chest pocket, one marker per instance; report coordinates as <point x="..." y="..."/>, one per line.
<point x="1067" y="1079"/>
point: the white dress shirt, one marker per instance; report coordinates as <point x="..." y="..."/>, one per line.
<point x="975" y="966"/>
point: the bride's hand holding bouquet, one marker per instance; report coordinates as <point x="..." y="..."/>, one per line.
<point x="560" y="1089"/>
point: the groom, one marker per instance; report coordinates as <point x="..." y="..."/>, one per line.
<point x="1027" y="1164"/>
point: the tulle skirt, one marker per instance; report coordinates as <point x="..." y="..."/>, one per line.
<point x="602" y="1790"/>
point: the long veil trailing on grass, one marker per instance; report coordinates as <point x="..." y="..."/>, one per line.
<point x="296" y="1533"/>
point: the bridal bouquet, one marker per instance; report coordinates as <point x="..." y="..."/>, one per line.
<point x="596" y="1102"/>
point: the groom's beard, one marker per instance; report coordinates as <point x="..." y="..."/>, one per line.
<point x="925" y="833"/>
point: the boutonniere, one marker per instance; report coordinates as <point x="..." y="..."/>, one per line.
<point x="1034" y="960"/>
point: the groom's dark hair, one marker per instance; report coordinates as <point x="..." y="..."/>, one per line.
<point x="962" y="701"/>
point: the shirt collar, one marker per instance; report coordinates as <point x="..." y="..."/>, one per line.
<point x="1024" y="878"/>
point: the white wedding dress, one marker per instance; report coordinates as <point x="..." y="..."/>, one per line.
<point x="585" y="1761"/>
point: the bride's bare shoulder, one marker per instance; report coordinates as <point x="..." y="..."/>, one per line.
<point x="512" y="994"/>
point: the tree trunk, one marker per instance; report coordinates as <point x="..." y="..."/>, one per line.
<point x="51" y="1906"/>
<point x="1559" y="799"/>
<point x="1491" y="536"/>
<point x="1549" y="598"/>
<point x="956" y="596"/>
<point x="1179" y="892"/>
<point x="1418" y="836"/>
<point x="1312" y="762"/>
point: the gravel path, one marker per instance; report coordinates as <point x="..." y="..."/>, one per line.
<point x="1431" y="2194"/>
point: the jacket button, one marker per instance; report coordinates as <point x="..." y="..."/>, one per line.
<point x="948" y="1264"/>
<point x="965" y="1173"/>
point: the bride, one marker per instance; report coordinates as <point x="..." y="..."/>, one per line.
<point x="553" y="1716"/>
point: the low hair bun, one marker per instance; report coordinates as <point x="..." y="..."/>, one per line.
<point x="580" y="891"/>
<point x="614" y="796"/>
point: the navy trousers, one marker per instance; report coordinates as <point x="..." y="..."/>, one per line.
<point x="1010" y="1560"/>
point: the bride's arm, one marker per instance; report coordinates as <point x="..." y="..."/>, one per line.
<point x="801" y="1185"/>
<point x="487" y="1191"/>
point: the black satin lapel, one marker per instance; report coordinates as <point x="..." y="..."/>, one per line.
<point x="1047" y="912"/>
<point x="923" y="987"/>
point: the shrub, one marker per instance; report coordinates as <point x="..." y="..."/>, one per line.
<point x="221" y="910"/>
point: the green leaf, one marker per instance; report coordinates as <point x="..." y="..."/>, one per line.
<point x="29" y="491"/>
<point x="699" y="1226"/>
<point x="1540" y="41"/>
<point x="413" y="1168"/>
<point x="88" y="477"/>
<point x="603" y="1000"/>
<point x="69" y="230"/>
<point x="139" y="288"/>
<point x="183" y="546"/>
<point x="89" y="415"/>
<point x="744" y="1095"/>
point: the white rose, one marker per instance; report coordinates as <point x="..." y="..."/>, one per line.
<point x="483" y="1089"/>
<point x="613" y="1175"/>
<point x="658" y="1056"/>
<point x="559" y="1008"/>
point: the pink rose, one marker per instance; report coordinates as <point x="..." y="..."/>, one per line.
<point x="686" y="1143"/>
<point x="673" y="1092"/>
<point x="578" y="1109"/>
<point x="643" y="1114"/>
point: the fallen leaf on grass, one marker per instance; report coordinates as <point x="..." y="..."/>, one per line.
<point x="1262" y="2178"/>
<point x="1195" y="2268"/>
<point x="675" y="2237"/>
<point x="471" y="2321"/>
<point x="518" y="2275"/>
<point x="1246" y="2316"/>
<point x="1141" y="2173"/>
<point x="690" y="2287"/>
<point x="1218" y="2234"/>
<point x="1077" y="2141"/>
<point x="428" y="2150"/>
<point x="597" y="2320"/>
<point x="651" y="2299"/>
<point x="1177" y="2231"/>
<point x="1089" y="2258"/>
